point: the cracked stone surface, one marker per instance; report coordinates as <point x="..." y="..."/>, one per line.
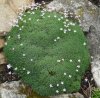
<point x="6" y="17"/>
<point x="11" y="90"/>
<point x="75" y="95"/>
<point x="93" y="39"/>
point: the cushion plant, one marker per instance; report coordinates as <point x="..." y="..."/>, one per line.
<point x="48" y="51"/>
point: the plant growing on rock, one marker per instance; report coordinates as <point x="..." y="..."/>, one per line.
<point x="96" y="93"/>
<point x="48" y="51"/>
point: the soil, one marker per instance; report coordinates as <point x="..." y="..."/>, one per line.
<point x="87" y="84"/>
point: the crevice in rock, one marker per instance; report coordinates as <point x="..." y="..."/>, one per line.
<point x="39" y="1"/>
<point x="96" y="2"/>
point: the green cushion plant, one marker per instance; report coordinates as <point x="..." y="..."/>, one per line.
<point x="48" y="51"/>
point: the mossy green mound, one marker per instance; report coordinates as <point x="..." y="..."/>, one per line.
<point x="48" y="51"/>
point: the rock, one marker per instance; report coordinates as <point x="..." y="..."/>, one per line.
<point x="2" y="58"/>
<point x="93" y="39"/>
<point x="2" y="43"/>
<point x="3" y="1"/>
<point x="11" y="90"/>
<point x="17" y="5"/>
<point x="89" y="14"/>
<point x="96" y="2"/>
<point x="96" y="70"/>
<point x="75" y="95"/>
<point x="7" y="15"/>
<point x="9" y="10"/>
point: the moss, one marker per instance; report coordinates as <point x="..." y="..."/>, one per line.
<point x="48" y="51"/>
<point x="80" y="12"/>
<point x="96" y="93"/>
<point x="30" y="93"/>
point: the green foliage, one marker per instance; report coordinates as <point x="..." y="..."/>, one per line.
<point x="48" y="51"/>
<point x="96" y="93"/>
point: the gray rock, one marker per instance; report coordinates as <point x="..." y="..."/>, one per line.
<point x="96" y="69"/>
<point x="11" y="90"/>
<point x="75" y="95"/>
<point x="93" y="39"/>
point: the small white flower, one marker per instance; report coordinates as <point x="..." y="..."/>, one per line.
<point x="69" y="29"/>
<point x="13" y="48"/>
<point x="29" y="12"/>
<point x="61" y="29"/>
<point x="64" y="90"/>
<point x="29" y="19"/>
<point x="5" y="43"/>
<point x="23" y="68"/>
<point x="65" y="73"/>
<point x="71" y="60"/>
<point x="92" y="79"/>
<point x="20" y="29"/>
<point x="49" y="16"/>
<point x="86" y="80"/>
<point x="62" y="59"/>
<point x="59" y="19"/>
<point x="79" y="60"/>
<point x="75" y="31"/>
<point x="57" y="91"/>
<point x="55" y="16"/>
<point x="78" y="66"/>
<point x="65" y="31"/>
<point x="9" y="73"/>
<point x="62" y="17"/>
<point x="67" y="20"/>
<point x="24" y="21"/>
<point x="55" y="40"/>
<point x="69" y="76"/>
<point x="24" y="54"/>
<point x="70" y="23"/>
<point x="31" y="59"/>
<point x="28" y="72"/>
<point x="58" y="37"/>
<point x="65" y="25"/>
<point x="64" y="22"/>
<point x="37" y="20"/>
<point x="42" y="15"/>
<point x="92" y="57"/>
<point x="9" y="37"/>
<point x="22" y="26"/>
<point x="16" y="68"/>
<point x="18" y="35"/>
<point x="76" y="70"/>
<point x="51" y="85"/>
<point x="21" y="44"/>
<point x="57" y="85"/>
<point x="62" y="82"/>
<point x="73" y="24"/>
<point x="58" y="61"/>
<point x="84" y="43"/>
<point x="33" y="13"/>
<point x="9" y="66"/>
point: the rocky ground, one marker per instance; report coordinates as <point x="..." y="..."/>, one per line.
<point x="89" y="20"/>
